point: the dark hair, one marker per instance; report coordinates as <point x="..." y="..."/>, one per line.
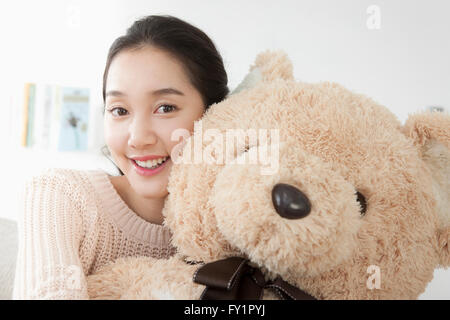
<point x="191" y="46"/>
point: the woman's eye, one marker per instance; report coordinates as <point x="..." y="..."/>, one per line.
<point x="166" y="108"/>
<point x="118" y="111"/>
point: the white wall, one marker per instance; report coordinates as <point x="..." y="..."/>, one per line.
<point x="404" y="65"/>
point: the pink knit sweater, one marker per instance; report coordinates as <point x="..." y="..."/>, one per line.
<point x="72" y="223"/>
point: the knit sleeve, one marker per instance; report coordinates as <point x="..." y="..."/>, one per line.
<point x="50" y="229"/>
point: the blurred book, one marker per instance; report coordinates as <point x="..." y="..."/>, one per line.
<point x="31" y="112"/>
<point x="27" y="106"/>
<point x="42" y="116"/>
<point x="74" y="119"/>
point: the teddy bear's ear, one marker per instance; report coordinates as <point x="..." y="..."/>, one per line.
<point x="269" y="65"/>
<point x="430" y="132"/>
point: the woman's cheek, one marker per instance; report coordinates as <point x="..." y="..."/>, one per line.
<point x="114" y="138"/>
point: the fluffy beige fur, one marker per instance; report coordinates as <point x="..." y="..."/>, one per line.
<point x="333" y="143"/>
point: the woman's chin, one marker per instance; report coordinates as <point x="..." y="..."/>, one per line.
<point x="156" y="187"/>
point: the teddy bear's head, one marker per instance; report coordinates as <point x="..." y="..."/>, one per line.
<point x="316" y="184"/>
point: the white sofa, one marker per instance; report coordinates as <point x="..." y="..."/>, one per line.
<point x="8" y="254"/>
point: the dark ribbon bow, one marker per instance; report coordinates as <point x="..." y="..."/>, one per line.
<point x="234" y="279"/>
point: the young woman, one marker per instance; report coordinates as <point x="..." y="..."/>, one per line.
<point x="160" y="76"/>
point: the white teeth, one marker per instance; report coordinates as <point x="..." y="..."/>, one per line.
<point x="151" y="163"/>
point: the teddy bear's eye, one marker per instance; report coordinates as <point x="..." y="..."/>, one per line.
<point x="362" y="202"/>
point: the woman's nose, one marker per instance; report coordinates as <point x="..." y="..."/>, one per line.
<point x="290" y="202"/>
<point x="141" y="134"/>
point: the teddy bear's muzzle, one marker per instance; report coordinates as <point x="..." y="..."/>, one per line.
<point x="290" y="202"/>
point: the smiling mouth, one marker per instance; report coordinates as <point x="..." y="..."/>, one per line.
<point x="151" y="164"/>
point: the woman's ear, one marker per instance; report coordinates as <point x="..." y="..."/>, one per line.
<point x="430" y="132"/>
<point x="268" y="66"/>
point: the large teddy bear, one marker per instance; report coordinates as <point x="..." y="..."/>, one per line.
<point x="351" y="204"/>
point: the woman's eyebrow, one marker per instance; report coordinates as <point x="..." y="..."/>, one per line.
<point x="159" y="92"/>
<point x="164" y="91"/>
<point x="114" y="93"/>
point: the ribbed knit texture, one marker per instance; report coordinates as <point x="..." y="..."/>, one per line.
<point x="72" y="223"/>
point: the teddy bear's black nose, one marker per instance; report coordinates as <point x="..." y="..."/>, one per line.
<point x="289" y="202"/>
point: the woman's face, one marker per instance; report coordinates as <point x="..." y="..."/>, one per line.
<point x="139" y="121"/>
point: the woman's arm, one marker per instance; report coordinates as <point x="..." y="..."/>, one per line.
<point x="50" y="231"/>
